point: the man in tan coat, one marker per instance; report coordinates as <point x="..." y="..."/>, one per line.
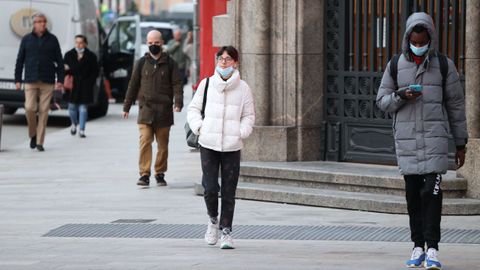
<point x="157" y="84"/>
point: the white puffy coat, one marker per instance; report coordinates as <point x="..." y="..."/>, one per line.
<point x="229" y="113"/>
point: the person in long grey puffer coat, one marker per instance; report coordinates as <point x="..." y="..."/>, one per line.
<point x="422" y="122"/>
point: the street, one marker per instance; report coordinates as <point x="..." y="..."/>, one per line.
<point x="91" y="182"/>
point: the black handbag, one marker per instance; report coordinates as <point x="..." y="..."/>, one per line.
<point x="192" y="139"/>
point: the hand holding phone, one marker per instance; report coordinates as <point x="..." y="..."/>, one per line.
<point x="416" y="87"/>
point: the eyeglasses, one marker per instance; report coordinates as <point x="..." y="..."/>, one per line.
<point x="226" y="59"/>
<point x="40" y="21"/>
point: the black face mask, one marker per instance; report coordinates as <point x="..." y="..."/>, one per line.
<point x="154" y="49"/>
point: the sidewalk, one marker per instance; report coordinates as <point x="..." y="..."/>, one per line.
<point x="92" y="181"/>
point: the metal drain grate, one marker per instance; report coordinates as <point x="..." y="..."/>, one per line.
<point x="133" y="221"/>
<point x="266" y="232"/>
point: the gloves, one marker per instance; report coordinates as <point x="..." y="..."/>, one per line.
<point x="402" y="93"/>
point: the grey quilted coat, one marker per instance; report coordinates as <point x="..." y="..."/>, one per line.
<point x="422" y="126"/>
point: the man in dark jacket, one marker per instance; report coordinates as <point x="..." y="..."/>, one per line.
<point x="424" y="112"/>
<point x="156" y="83"/>
<point x="41" y="55"/>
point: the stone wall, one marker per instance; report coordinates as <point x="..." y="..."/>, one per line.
<point x="282" y="59"/>
<point x="471" y="170"/>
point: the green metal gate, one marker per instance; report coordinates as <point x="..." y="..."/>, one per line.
<point x="362" y="36"/>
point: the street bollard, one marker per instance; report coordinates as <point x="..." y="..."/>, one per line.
<point x="1" y="122"/>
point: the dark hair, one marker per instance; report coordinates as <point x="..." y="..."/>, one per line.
<point x="82" y="37"/>
<point x="231" y="51"/>
<point x="420" y="29"/>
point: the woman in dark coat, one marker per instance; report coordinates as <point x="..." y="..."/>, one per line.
<point x="82" y="64"/>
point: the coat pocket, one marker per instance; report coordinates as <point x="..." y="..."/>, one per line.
<point x="145" y="114"/>
<point x="163" y="111"/>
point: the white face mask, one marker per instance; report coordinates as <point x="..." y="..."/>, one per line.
<point x="225" y="72"/>
<point x="79" y="50"/>
<point x="419" y="51"/>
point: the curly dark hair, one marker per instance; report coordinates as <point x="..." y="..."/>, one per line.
<point x="420" y="29"/>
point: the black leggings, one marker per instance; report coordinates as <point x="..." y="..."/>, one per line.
<point x="229" y="163"/>
<point x="424" y="204"/>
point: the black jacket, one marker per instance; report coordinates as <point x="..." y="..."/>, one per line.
<point x="84" y="73"/>
<point x="41" y="57"/>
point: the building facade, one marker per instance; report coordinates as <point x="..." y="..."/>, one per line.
<point x="315" y="66"/>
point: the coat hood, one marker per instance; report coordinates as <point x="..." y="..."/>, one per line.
<point x="425" y="20"/>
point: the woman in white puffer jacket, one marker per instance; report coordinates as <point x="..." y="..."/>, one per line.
<point x="229" y="118"/>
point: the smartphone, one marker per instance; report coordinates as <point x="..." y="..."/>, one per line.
<point x="415" y="87"/>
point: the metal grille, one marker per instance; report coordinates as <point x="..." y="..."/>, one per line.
<point x="133" y="221"/>
<point x="259" y="232"/>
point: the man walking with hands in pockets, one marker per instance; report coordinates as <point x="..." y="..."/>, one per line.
<point x="157" y="85"/>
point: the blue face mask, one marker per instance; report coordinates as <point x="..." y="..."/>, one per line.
<point x="79" y="50"/>
<point x="225" y="72"/>
<point x="419" y="51"/>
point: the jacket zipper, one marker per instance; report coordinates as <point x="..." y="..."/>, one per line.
<point x="223" y="118"/>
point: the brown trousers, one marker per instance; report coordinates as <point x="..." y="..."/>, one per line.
<point x="37" y="100"/>
<point x="147" y="134"/>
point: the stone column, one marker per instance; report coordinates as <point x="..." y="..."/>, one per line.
<point x="254" y="38"/>
<point x="282" y="56"/>
<point x="471" y="170"/>
<point x="472" y="67"/>
<point x="311" y="71"/>
<point x="225" y="30"/>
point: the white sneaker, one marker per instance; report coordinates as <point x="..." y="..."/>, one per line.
<point x="417" y="259"/>
<point x="226" y="241"/>
<point x="432" y="262"/>
<point x="82" y="134"/>
<point x="211" y="236"/>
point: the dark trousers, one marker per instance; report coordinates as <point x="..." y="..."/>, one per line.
<point x="424" y="204"/>
<point x="229" y="164"/>
<point x="184" y="75"/>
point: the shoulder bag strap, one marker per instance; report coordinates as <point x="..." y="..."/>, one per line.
<point x="205" y="98"/>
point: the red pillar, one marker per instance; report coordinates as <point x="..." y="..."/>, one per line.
<point x="208" y="9"/>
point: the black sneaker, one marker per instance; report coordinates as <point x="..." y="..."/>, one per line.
<point x="160" y="179"/>
<point x="40" y="148"/>
<point x="144" y="180"/>
<point x="33" y="142"/>
<point x="73" y="129"/>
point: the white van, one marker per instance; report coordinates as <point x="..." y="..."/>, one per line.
<point x="66" y="18"/>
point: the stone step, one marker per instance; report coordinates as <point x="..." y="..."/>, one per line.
<point x="343" y="199"/>
<point x="351" y="177"/>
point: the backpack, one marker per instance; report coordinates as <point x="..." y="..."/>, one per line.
<point x="443" y="69"/>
